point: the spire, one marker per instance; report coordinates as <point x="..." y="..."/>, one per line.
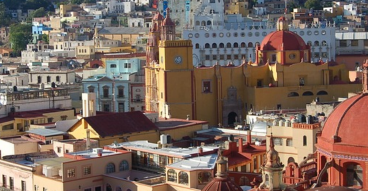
<point x="272" y="145"/>
<point x="365" y="76"/>
<point x="221" y="165"/>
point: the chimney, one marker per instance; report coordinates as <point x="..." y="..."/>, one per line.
<point x="88" y="141"/>
<point x="200" y="150"/>
<point x="249" y="137"/>
<point x="240" y="145"/>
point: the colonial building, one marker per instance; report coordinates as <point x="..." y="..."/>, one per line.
<point x="224" y="94"/>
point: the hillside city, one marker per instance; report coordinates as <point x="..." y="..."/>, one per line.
<point x="183" y="95"/>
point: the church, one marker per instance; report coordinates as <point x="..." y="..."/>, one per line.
<point x="282" y="77"/>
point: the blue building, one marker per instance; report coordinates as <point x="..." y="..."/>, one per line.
<point x="121" y="88"/>
<point x="37" y="29"/>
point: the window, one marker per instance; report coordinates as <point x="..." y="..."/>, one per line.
<point x="259" y="82"/>
<point x="120" y="91"/>
<point x="23" y="184"/>
<point x="87" y="170"/>
<point x="4" y="181"/>
<point x="8" y="127"/>
<point x="343" y="43"/>
<point x="63" y="117"/>
<point x="322" y="93"/>
<point x="183" y="178"/>
<point x="204" y="177"/>
<point x="214" y="45"/>
<point x="197" y="46"/>
<point x="48" y="79"/>
<point x="214" y="57"/>
<point x="39" y="79"/>
<point x="207" y="57"/>
<point x="110" y="168"/>
<point x="91" y="89"/>
<point x="354" y="42"/>
<point x="105" y="92"/>
<point x="66" y="151"/>
<point x="206" y="86"/>
<point x="207" y="45"/>
<point x="113" y="66"/>
<point x="123" y="165"/>
<point x="308" y="93"/>
<point x="273" y="58"/>
<point x="108" y="187"/>
<point x="236" y="45"/>
<point x="222" y="57"/>
<point x="59" y="149"/>
<point x="301" y="81"/>
<point x="304" y="140"/>
<point x="228" y="45"/>
<point x="221" y="45"/>
<point x="171" y="175"/>
<point x="293" y="94"/>
<point x="289" y="142"/>
<point x="365" y="42"/>
<point x="70" y="173"/>
<point x="277" y="141"/>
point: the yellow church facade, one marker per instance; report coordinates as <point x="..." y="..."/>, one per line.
<point x="281" y="78"/>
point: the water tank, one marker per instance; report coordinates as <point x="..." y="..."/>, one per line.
<point x="275" y="122"/>
<point x="281" y="123"/>
<point x="163" y="139"/>
<point x="287" y="123"/>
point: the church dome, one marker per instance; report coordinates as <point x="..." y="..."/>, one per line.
<point x="347" y="125"/>
<point x="167" y="21"/>
<point x="282" y="38"/>
<point x="221" y="184"/>
<point x="157" y="17"/>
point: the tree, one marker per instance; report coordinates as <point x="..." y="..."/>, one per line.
<point x="45" y="38"/>
<point x="77" y="2"/>
<point x="4" y="18"/>
<point x="291" y="6"/>
<point x="313" y="4"/>
<point x="20" y="36"/>
<point x="39" y="12"/>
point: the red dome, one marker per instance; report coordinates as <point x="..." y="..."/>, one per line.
<point x="347" y="127"/>
<point x="221" y="184"/>
<point x="287" y="39"/>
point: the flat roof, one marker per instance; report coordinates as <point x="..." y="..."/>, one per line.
<point x="195" y="163"/>
<point x="17" y="140"/>
<point x="45" y="132"/>
<point x="54" y="162"/>
<point x="91" y="154"/>
<point x="153" y="148"/>
<point x="174" y="123"/>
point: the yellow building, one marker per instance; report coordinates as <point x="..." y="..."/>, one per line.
<point x="237" y="7"/>
<point x="281" y="77"/>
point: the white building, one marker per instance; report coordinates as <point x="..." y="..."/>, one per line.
<point x="351" y="42"/>
<point x="115" y="6"/>
<point x="19" y="79"/>
<point x="228" y="38"/>
<point x="47" y="77"/>
<point x="350" y="10"/>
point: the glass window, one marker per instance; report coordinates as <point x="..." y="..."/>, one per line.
<point x="70" y="173"/>
<point x="289" y="142"/>
<point x="183" y="178"/>
<point x="171" y="175"/>
<point x="123" y="165"/>
<point x="110" y="168"/>
<point x="87" y="170"/>
<point x="206" y="86"/>
<point x="121" y="91"/>
<point x="91" y="89"/>
<point x="113" y="66"/>
<point x="277" y="141"/>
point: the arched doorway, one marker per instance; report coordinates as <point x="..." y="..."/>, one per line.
<point x="231" y="118"/>
<point x="354" y="175"/>
<point x="323" y="163"/>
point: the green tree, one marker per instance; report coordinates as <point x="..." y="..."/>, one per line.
<point x="313" y="4"/>
<point x="20" y="36"/>
<point x="4" y="18"/>
<point x="77" y="2"/>
<point x="45" y="38"/>
<point x="291" y="6"/>
<point x="39" y="12"/>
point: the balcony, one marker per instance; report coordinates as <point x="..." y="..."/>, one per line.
<point x="138" y="100"/>
<point x="105" y="97"/>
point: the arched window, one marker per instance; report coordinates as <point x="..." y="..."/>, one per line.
<point x="316" y="43"/>
<point x="236" y="45"/>
<point x="39" y="79"/>
<point x="221" y="45"/>
<point x="293" y="94"/>
<point x="108" y="187"/>
<point x="304" y="140"/>
<point x="123" y="165"/>
<point x="324" y="43"/>
<point x="308" y="93"/>
<point x="243" y="45"/>
<point x="309" y="43"/>
<point x="203" y="23"/>
<point x="183" y="178"/>
<point x="110" y="168"/>
<point x="228" y="45"/>
<point x="57" y="78"/>
<point x="48" y="79"/>
<point x="197" y="23"/>
<point x="197" y="46"/>
<point x="118" y="188"/>
<point x="250" y="44"/>
<point x="209" y="22"/>
<point x="322" y="93"/>
<point x="207" y="45"/>
<point x="204" y="177"/>
<point x="214" y="45"/>
<point x="171" y="175"/>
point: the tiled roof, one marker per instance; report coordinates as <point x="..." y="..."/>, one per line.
<point x="120" y="123"/>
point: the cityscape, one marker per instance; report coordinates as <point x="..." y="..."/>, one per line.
<point x="183" y="95"/>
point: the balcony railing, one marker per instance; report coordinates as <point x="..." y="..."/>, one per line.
<point x="137" y="100"/>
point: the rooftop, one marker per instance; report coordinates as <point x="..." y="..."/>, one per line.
<point x="195" y="163"/>
<point x="17" y="140"/>
<point x="145" y="146"/>
<point x="54" y="162"/>
<point x="122" y="30"/>
<point x="45" y="132"/>
<point x="88" y="154"/>
<point x="174" y="123"/>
